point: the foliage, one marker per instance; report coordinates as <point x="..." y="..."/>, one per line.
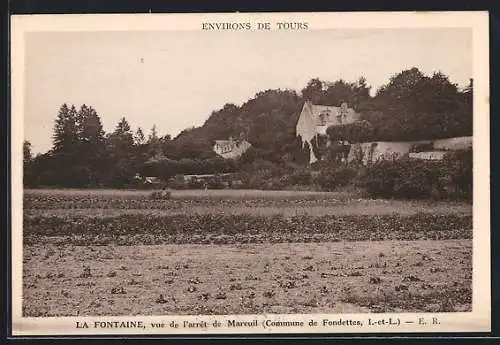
<point x="338" y="92"/>
<point x="120" y="153"/>
<point x="206" y="228"/>
<point x="161" y="195"/>
<point x="319" y="146"/>
<point x="331" y="178"/>
<point x="29" y="178"/>
<point x="418" y="179"/>
<point x="361" y="131"/>
<point x="460" y="166"/>
<point x="300" y="178"/>
<point x="411" y="106"/>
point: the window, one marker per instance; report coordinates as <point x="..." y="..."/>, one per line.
<point x="324" y="117"/>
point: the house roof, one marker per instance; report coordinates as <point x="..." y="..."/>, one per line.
<point x="233" y="142"/>
<point x="331" y="115"/>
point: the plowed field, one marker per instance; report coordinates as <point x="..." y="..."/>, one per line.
<point x="242" y="252"/>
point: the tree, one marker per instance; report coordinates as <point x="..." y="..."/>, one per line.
<point x="154" y="144"/>
<point x="65" y="130"/>
<point x="469" y="88"/>
<point x="313" y="91"/>
<point x="91" y="148"/>
<point x="341" y="91"/>
<point x="413" y="106"/>
<point x="65" y="150"/>
<point x="401" y="84"/>
<point x="139" y="138"/>
<point x="123" y="134"/>
<point x="319" y="146"/>
<point x="28" y="175"/>
<point x="121" y="154"/>
<point x="27" y="155"/>
<point x="361" y="131"/>
<point x="153" y="135"/>
<point x="90" y="131"/>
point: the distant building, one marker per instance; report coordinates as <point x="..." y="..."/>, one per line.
<point x="434" y="150"/>
<point x="428" y="156"/>
<point x="232" y="148"/>
<point x="203" y="177"/>
<point x="315" y="119"/>
<point x="151" y="180"/>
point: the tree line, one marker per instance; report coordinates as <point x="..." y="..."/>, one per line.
<point x="411" y="106"/>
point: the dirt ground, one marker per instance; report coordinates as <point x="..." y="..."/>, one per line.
<point x="337" y="277"/>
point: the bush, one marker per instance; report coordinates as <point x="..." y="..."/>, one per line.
<point x="459" y="166"/>
<point x="299" y="178"/>
<point x="161" y="195"/>
<point x="422" y="147"/>
<point x="196" y="184"/>
<point x="419" y="179"/>
<point x="407" y="179"/>
<point x="331" y="178"/>
<point x="215" y="183"/>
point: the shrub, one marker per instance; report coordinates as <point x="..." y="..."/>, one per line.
<point x="196" y="184"/>
<point x="301" y="178"/>
<point x="421" y="147"/>
<point x="215" y="182"/>
<point x="418" y="179"/>
<point x="177" y="183"/>
<point x="331" y="178"/>
<point x="161" y="195"/>
<point x="459" y="166"/>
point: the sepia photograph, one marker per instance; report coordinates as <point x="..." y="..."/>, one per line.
<point x="244" y="165"/>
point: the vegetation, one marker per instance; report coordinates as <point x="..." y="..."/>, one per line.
<point x="405" y="254"/>
<point x="411" y="252"/>
<point x="411" y="106"/>
<point x="416" y="179"/>
<point x="134" y="229"/>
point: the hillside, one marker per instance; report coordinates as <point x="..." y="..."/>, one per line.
<point x="410" y="107"/>
<point x="267" y="121"/>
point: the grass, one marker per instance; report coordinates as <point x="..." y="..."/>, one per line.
<point x="288" y="211"/>
<point x="256" y="202"/>
<point x="192" y="193"/>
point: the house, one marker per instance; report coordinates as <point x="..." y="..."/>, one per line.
<point x="232" y="148"/>
<point x="315" y="119"/>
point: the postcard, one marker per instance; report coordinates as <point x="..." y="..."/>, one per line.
<point x="250" y="173"/>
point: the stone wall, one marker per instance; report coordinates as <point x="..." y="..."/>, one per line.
<point x="373" y="151"/>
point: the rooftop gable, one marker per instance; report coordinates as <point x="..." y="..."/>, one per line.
<point x="326" y="115"/>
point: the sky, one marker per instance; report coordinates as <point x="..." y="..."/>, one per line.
<point x="176" y="79"/>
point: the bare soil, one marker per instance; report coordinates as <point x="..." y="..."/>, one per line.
<point x="336" y="277"/>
